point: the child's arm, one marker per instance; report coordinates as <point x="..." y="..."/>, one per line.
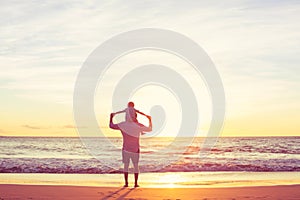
<point x="122" y="111"/>
<point x="141" y="113"/>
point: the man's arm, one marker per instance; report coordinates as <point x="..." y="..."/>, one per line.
<point x="149" y="128"/>
<point x="111" y="123"/>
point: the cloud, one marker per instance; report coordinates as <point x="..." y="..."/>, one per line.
<point x="45" y="50"/>
<point x="73" y="127"/>
<point x="33" y="127"/>
<point x="68" y="126"/>
<point x="255" y="44"/>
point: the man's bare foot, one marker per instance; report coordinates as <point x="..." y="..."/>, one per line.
<point x="136" y="185"/>
<point x="126" y="185"/>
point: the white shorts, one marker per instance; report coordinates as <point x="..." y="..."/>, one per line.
<point x="126" y="156"/>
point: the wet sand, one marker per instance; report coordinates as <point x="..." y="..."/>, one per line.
<point x="82" y="192"/>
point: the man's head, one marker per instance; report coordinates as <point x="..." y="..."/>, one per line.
<point x="130" y="104"/>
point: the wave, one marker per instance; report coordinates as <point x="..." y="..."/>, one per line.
<point x="93" y="166"/>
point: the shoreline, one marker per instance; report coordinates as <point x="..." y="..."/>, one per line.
<point x="157" y="180"/>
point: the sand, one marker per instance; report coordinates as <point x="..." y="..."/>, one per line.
<point x="82" y="192"/>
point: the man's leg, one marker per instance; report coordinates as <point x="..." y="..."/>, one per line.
<point x="136" y="173"/>
<point x="126" y="161"/>
<point x="126" y="166"/>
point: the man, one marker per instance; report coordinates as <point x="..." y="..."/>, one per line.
<point x="131" y="132"/>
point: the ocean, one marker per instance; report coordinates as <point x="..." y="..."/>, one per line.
<point x="65" y="155"/>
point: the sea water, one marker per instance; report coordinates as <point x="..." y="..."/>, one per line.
<point x="71" y="155"/>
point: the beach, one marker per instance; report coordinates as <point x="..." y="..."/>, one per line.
<point x="83" y="192"/>
<point x="185" y="185"/>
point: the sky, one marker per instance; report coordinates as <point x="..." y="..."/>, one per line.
<point x="255" y="46"/>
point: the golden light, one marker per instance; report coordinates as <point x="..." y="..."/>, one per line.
<point x="170" y="180"/>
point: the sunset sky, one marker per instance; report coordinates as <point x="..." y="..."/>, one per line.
<point x="254" y="44"/>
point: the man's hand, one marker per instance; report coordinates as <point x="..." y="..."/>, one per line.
<point x="150" y="122"/>
<point x="111" y="123"/>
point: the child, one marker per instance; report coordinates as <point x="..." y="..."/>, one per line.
<point x="131" y="113"/>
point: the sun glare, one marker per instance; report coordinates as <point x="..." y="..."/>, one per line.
<point x="170" y="180"/>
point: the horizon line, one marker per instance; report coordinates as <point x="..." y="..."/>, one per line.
<point x="3" y="136"/>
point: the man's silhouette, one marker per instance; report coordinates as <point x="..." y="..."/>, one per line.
<point x="131" y="132"/>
